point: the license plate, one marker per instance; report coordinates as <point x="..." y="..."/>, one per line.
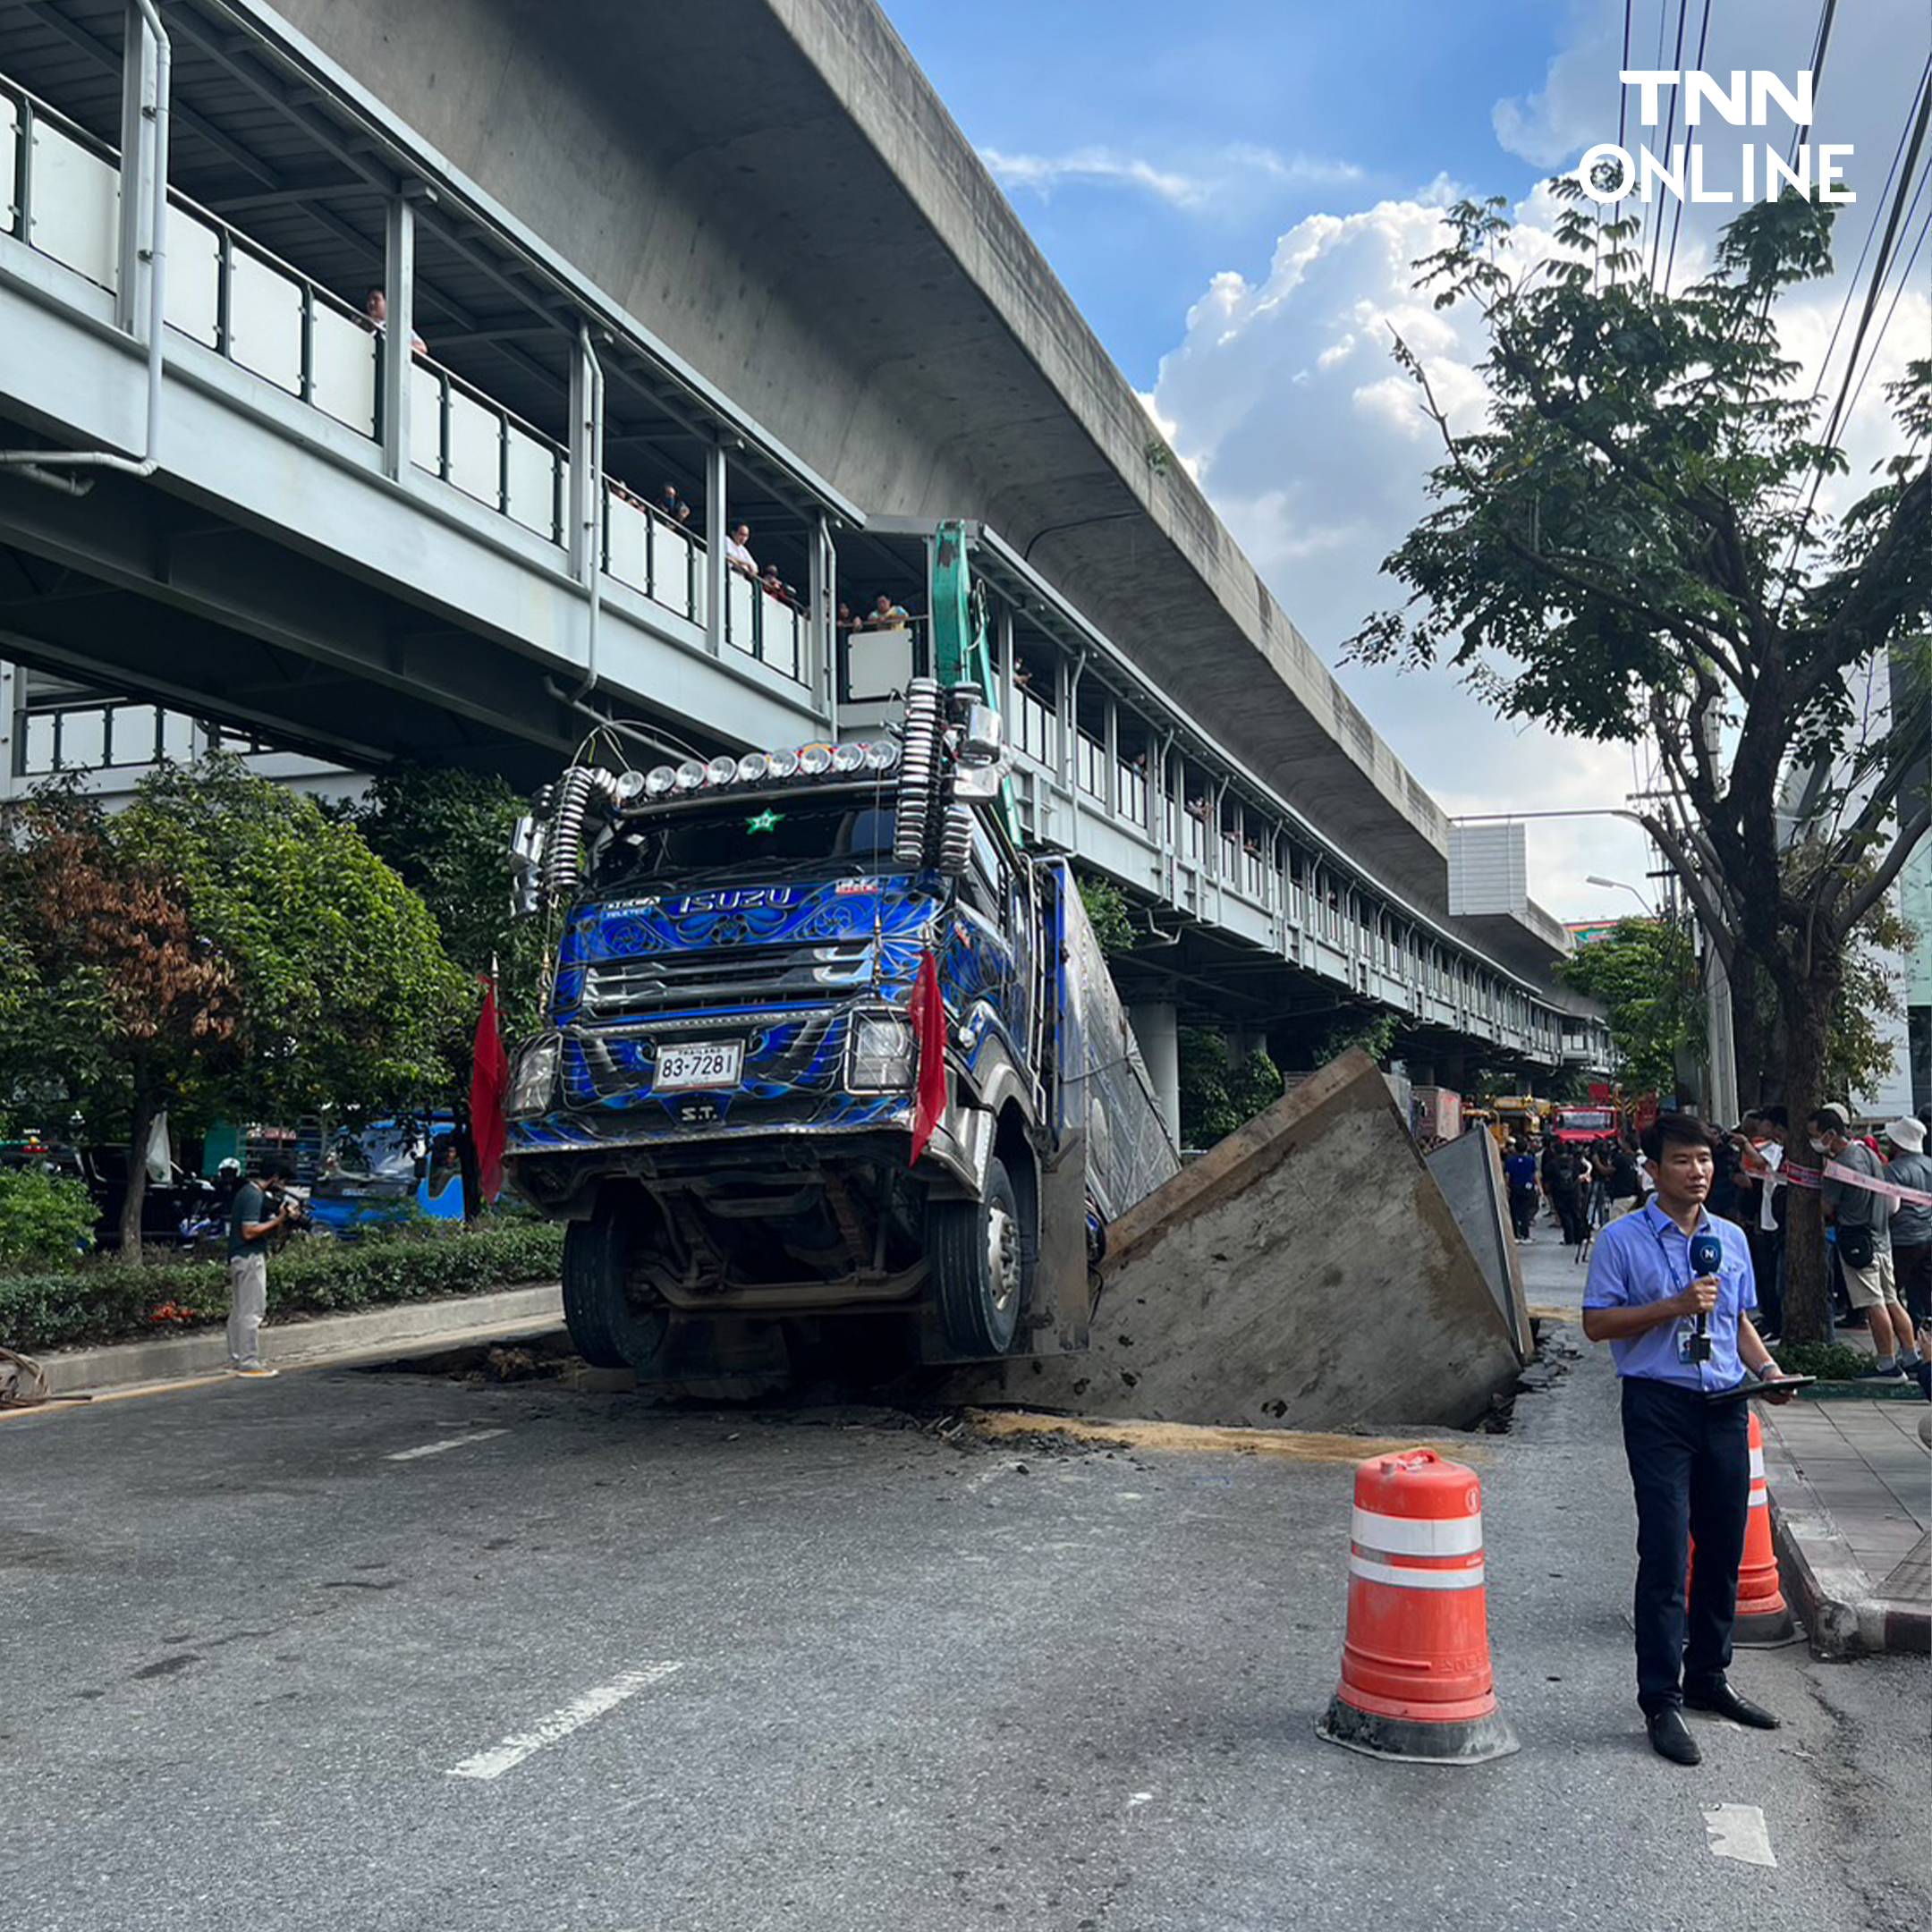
<point x="701" y="1063"/>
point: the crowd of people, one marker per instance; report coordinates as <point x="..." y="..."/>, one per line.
<point x="1881" y="1250"/>
<point x="1582" y="1182"/>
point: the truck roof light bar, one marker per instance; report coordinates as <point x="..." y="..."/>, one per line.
<point x="758" y="767"/>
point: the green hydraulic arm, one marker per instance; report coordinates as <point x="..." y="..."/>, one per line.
<point x="960" y="655"/>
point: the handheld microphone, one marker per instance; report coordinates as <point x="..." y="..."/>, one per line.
<point x="1706" y="1257"/>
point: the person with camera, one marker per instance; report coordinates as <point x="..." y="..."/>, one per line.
<point x="1671" y="1291"/>
<point x="261" y="1211"/>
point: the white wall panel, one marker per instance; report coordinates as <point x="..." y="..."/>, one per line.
<point x="76" y="204"/>
<point x="264" y="321"/>
<point x="193" y="292"/>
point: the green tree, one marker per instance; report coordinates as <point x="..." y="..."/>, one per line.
<point x="347" y="995"/>
<point x="1630" y="547"/>
<point x="113" y="998"/>
<point x="1107" y="913"/>
<point x="1217" y="1097"/>
<point x="446" y="832"/>
<point x="1645" y="974"/>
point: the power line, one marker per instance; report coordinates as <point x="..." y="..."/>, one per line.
<point x="1881" y="269"/>
<point x="1670" y="260"/>
<point x="1871" y="361"/>
<point x="1670" y="128"/>
<point x="1820" y="46"/>
<point x="1871" y="230"/>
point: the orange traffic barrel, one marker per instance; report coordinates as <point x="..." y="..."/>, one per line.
<point x="1416" y="1682"/>
<point x="1763" y="1616"/>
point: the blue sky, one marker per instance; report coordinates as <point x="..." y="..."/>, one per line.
<point x="1186" y="89"/>
<point x="1232" y="193"/>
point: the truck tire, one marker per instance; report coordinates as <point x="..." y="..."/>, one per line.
<point x="978" y="1253"/>
<point x="605" y="1328"/>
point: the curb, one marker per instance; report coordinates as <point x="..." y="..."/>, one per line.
<point x="401" y="1327"/>
<point x="1817" y="1566"/>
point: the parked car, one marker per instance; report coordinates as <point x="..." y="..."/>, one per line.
<point x="180" y="1199"/>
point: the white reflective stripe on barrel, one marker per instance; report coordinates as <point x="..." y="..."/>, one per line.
<point x="1757" y="1461"/>
<point x="1417" y="1535"/>
<point x="1759" y="1497"/>
<point x="1380" y="1573"/>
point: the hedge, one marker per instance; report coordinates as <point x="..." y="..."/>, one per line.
<point x="102" y="1300"/>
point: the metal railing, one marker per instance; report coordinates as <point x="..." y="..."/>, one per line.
<point x="763" y="626"/>
<point x="475" y="444"/>
<point x="60" y="189"/>
<point x="645" y="549"/>
<point x="59" y="193"/>
<point x="92" y="737"/>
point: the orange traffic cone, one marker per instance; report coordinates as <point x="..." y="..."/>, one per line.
<point x="1416" y="1682"/>
<point x="1763" y="1616"/>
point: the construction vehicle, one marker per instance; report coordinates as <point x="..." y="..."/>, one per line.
<point x="831" y="1057"/>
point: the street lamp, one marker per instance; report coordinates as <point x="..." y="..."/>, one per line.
<point x="1619" y="885"/>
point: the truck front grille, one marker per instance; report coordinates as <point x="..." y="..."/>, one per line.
<point x="725" y="977"/>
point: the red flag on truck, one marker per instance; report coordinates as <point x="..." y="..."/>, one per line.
<point x="927" y="1012"/>
<point x="489" y="1081"/>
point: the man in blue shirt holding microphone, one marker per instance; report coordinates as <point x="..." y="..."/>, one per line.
<point x="1671" y="1290"/>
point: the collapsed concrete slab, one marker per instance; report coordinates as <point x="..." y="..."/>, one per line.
<point x="1469" y="1170"/>
<point x="1307" y="1271"/>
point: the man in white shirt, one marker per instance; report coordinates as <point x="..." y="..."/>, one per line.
<point x="1761" y="1155"/>
<point x="737" y="554"/>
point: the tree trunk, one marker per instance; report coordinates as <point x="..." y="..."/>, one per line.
<point x="147" y="1108"/>
<point x="1805" y="1011"/>
<point x="1748" y="1035"/>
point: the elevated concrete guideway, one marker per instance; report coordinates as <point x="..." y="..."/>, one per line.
<point x="447" y="555"/>
<point x="775" y="190"/>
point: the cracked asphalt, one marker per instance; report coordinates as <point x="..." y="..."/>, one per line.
<point x="391" y="1651"/>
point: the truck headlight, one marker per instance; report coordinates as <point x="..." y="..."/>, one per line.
<point x="533" y="1079"/>
<point x="878" y="1054"/>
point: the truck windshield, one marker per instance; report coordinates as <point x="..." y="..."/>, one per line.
<point x="786" y="833"/>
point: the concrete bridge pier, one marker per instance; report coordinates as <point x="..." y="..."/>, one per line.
<point x="1156" y="1027"/>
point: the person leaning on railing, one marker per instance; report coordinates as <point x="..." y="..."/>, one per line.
<point x="376" y="313"/>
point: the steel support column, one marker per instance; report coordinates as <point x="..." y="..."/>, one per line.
<point x="399" y="284"/>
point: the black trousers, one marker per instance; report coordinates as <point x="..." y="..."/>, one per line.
<point x="1690" y="1463"/>
<point x="1523" y="1210"/>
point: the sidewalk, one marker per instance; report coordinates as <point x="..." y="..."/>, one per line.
<point x="399" y="1328"/>
<point x="1851" y="1488"/>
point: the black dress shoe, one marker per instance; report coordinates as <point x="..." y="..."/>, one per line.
<point x="1725" y="1702"/>
<point x="1670" y="1737"/>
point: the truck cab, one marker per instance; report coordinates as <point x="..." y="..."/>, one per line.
<point x="791" y="1073"/>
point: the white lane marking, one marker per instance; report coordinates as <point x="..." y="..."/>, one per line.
<point x="501" y="1758"/>
<point x="448" y="1442"/>
<point x="1139" y="1798"/>
<point x="1738" y="1832"/>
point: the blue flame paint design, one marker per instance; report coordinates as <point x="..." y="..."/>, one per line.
<point x="795" y="1048"/>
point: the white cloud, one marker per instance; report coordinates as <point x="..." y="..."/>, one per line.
<point x="1210" y="180"/>
<point x="1095" y="165"/>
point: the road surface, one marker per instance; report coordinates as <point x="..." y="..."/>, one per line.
<point x="384" y="1650"/>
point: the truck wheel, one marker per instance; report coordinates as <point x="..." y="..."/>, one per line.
<point x="599" y="1256"/>
<point x="978" y="1251"/>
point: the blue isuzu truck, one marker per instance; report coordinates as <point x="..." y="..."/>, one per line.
<point x="833" y="1061"/>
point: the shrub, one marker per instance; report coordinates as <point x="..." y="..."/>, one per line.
<point x="101" y="1301"/>
<point x="1829" y="1361"/>
<point x="42" y="1217"/>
